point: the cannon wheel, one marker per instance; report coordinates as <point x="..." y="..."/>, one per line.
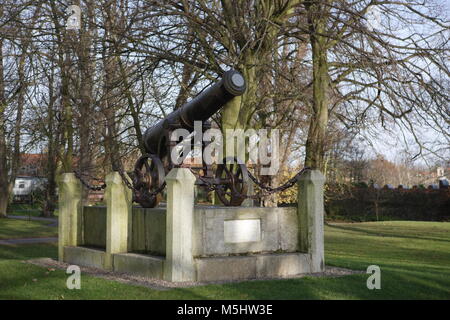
<point x="149" y="176"/>
<point x="233" y="189"/>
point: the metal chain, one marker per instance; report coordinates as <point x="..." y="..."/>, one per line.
<point x="79" y="175"/>
<point x="211" y="187"/>
<point x="131" y="186"/>
<point x="124" y="179"/>
<point x="288" y="184"/>
<point x="267" y="189"/>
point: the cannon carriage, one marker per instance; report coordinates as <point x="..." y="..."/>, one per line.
<point x="229" y="179"/>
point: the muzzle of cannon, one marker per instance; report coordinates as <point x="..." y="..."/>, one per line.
<point x="230" y="178"/>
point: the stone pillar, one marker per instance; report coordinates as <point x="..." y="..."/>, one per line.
<point x="69" y="211"/>
<point x="310" y="217"/>
<point x="249" y="202"/>
<point x="196" y="194"/>
<point x="118" y="212"/>
<point x="179" y="263"/>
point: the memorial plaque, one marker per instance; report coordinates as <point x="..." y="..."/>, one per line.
<point x="236" y="231"/>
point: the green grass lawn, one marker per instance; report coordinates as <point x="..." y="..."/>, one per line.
<point x="14" y="229"/>
<point x="414" y="258"/>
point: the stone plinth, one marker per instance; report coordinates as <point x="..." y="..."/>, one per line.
<point x="118" y="213"/>
<point x="70" y="210"/>
<point x="179" y="264"/>
<point x="183" y="242"/>
<point x="310" y="217"/>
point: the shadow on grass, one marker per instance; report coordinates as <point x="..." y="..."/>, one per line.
<point x="409" y="270"/>
<point x="28" y="251"/>
<point x="14" y="229"/>
<point x="381" y="234"/>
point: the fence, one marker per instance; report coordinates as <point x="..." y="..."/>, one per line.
<point x="372" y="204"/>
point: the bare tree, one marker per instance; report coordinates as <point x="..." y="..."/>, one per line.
<point x="13" y="90"/>
<point x="387" y="73"/>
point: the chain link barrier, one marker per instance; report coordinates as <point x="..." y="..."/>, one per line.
<point x="267" y="189"/>
<point x="80" y="175"/>
<point x="142" y="193"/>
<point x="288" y="184"/>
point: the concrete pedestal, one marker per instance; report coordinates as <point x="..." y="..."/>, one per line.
<point x="118" y="213"/>
<point x="310" y="217"/>
<point x="70" y="212"/>
<point x="184" y="242"/>
<point x="179" y="264"/>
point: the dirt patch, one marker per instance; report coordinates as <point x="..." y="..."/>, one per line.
<point x="331" y="272"/>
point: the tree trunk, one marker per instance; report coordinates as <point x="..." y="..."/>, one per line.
<point x="86" y="69"/>
<point x="64" y="63"/>
<point x="111" y="82"/>
<point x="236" y="113"/>
<point x="15" y="159"/>
<point x="3" y="157"/>
<point x="50" y="191"/>
<point x="133" y="109"/>
<point x="319" y="117"/>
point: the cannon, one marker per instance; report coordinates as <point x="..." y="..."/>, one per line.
<point x="229" y="179"/>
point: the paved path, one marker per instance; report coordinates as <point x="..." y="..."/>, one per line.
<point x="33" y="218"/>
<point x="28" y="240"/>
<point x="53" y="221"/>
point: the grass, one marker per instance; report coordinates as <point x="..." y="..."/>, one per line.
<point x="23" y="209"/>
<point x="14" y="229"/>
<point x="414" y="258"/>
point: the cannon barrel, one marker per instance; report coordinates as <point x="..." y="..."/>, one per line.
<point x="200" y="108"/>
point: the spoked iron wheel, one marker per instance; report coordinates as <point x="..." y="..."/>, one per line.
<point x="234" y="181"/>
<point x="149" y="177"/>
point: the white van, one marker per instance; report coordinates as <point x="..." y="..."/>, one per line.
<point x="25" y="186"/>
